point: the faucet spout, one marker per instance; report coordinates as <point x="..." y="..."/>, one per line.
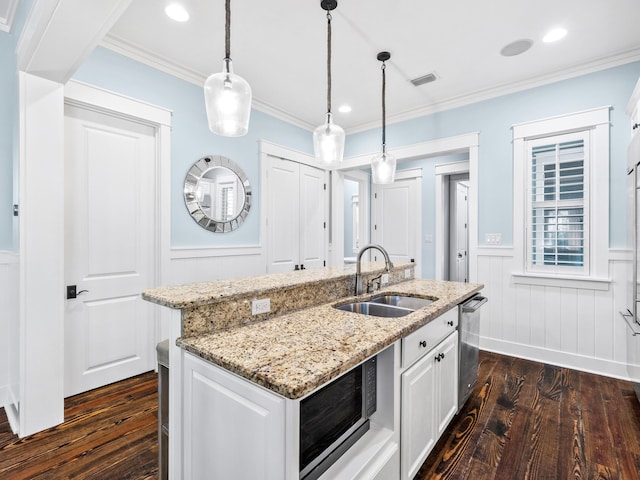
<point x="387" y="261"/>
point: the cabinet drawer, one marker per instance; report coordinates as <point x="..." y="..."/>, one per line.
<point x="416" y="344"/>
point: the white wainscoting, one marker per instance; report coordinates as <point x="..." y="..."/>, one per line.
<point x="576" y="327"/>
<point x="202" y="264"/>
<point x="9" y="325"/>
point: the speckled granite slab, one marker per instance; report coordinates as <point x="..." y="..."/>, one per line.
<point x="211" y="306"/>
<point x="294" y="353"/>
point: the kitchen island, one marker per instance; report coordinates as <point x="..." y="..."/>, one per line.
<point x="281" y="356"/>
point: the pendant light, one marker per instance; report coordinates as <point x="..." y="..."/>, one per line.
<point x="328" y="138"/>
<point x="227" y="95"/>
<point x="383" y="165"/>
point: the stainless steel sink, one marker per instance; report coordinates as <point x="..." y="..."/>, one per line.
<point x="375" y="309"/>
<point x="411" y="303"/>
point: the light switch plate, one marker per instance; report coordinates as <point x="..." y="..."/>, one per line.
<point x="385" y="278"/>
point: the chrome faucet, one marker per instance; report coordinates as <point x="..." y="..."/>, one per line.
<point x="387" y="262"/>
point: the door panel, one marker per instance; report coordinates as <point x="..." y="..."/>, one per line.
<point x="283" y="215"/>
<point x="109" y="248"/>
<point x="397" y="220"/>
<point x="311" y="217"/>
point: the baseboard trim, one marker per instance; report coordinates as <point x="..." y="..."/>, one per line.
<point x="597" y="366"/>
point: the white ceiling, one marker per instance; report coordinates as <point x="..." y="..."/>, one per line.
<point x="280" y="49"/>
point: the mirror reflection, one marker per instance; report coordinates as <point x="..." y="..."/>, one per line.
<point x="217" y="194"/>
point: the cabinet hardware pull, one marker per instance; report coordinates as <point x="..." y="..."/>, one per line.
<point x="438" y="358"/>
<point x="423" y="343"/>
<point x="450" y="323"/>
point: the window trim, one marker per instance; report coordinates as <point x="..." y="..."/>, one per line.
<point x="595" y="122"/>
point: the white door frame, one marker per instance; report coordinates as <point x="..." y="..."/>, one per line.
<point x="466" y="143"/>
<point x="443" y="171"/>
<point x="41" y="173"/>
<point x="98" y="99"/>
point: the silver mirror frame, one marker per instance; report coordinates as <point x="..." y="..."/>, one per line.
<point x="195" y="173"/>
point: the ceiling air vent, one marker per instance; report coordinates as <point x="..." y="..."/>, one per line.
<point x="430" y="77"/>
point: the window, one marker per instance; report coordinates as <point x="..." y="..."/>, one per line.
<point x="557" y="198"/>
<point x="561" y="197"/>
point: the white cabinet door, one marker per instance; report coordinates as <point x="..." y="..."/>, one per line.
<point x="447" y="382"/>
<point x="232" y="429"/>
<point x="296" y="223"/>
<point x="429" y="402"/>
<point x="418" y="430"/>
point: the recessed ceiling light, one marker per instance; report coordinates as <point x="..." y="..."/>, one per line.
<point x="555" y="35"/>
<point x="176" y="12"/>
<point x="344" y="108"/>
<point x="516" y="48"/>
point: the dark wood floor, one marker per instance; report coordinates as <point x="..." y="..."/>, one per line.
<point x="109" y="433"/>
<point x="525" y="420"/>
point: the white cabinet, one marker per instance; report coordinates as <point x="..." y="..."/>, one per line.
<point x="296" y="221"/>
<point x="231" y="428"/>
<point x="633" y="110"/>
<point x="429" y="402"/>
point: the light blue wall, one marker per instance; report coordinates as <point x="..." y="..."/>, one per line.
<point x="191" y="139"/>
<point x="494" y="118"/>
<point x="8" y="95"/>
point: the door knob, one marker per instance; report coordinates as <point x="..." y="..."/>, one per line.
<point x="72" y="291"/>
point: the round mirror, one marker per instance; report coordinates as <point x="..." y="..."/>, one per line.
<point x="217" y="194"/>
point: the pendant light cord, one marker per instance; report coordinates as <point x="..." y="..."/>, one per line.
<point x="384" y="109"/>
<point x="328" y="62"/>
<point x="227" y="32"/>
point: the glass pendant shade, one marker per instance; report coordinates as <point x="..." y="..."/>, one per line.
<point x="228" y="102"/>
<point x="383" y="167"/>
<point x="328" y="142"/>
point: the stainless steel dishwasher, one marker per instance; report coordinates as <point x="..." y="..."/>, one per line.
<point x="469" y="341"/>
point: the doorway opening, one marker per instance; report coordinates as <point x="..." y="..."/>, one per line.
<point x="456" y="241"/>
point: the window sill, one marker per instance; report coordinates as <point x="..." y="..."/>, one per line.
<point x="586" y="283"/>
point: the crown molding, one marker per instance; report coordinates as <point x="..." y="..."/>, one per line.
<point x="135" y="52"/>
<point x="6" y="20"/>
<point x="628" y="56"/>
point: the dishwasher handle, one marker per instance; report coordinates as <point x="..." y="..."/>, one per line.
<point x="473" y="304"/>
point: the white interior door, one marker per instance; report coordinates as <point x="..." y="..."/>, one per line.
<point x="459" y="234"/>
<point x="283" y="215"/>
<point x="312" y="217"/>
<point x="109" y="248"/>
<point x="397" y="215"/>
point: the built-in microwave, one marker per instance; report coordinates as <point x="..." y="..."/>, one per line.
<point x="334" y="417"/>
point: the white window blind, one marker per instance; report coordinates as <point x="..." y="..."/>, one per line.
<point x="558" y="201"/>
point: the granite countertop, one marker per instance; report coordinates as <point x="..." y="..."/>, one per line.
<point x="294" y="353"/>
<point x="202" y="293"/>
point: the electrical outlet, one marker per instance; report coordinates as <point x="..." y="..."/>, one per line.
<point x="385" y="278"/>
<point x="407" y="273"/>
<point x="260" y="306"/>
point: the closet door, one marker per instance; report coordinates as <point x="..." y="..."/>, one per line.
<point x="312" y="217"/>
<point x="296" y="223"/>
<point x="283" y="230"/>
